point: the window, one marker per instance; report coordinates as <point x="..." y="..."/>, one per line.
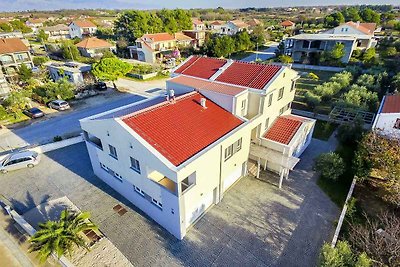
<point x="266" y="124"/>
<point x="138" y="190"/>
<point x="397" y="124"/>
<point x="113" y="152"/>
<point x="270" y="100"/>
<point x="293" y="86"/>
<point x="281" y="110"/>
<point x="114" y="174"/>
<point x="243" y="107"/>
<point x="104" y="167"/>
<point x="280" y="95"/>
<point x="135" y="165"/>
<point x="238" y="145"/>
<point x="228" y="152"/>
<point x="188" y="182"/>
<point x="156" y="202"/>
<point x="243" y="104"/>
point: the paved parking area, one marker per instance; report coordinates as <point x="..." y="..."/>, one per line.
<point x="256" y="224"/>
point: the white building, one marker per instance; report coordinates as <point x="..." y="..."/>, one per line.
<point x="387" y="121"/>
<point x="81" y="28"/>
<point x="57" y="32"/>
<point x="174" y="158"/>
<point x="75" y="72"/>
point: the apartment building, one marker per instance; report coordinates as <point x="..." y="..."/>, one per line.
<point x="387" y="120"/>
<point x="57" y="32"/>
<point x="13" y="53"/>
<point x="81" y="28"/>
<point x="175" y="157"/>
<point x="306" y="48"/>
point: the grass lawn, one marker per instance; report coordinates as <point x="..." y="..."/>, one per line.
<point x="11" y="120"/>
<point x="240" y="55"/>
<point x="158" y="77"/>
<point x="323" y="130"/>
<point x="337" y="190"/>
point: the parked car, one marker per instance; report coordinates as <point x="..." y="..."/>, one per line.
<point x="33" y="113"/>
<point x="59" y="105"/>
<point x="19" y="160"/>
<point x="101" y="86"/>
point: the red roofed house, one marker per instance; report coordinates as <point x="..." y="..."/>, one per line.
<point x="287" y="24"/>
<point x="198" y="25"/>
<point x="81" y="28"/>
<point x="387" y="120"/>
<point x="94" y="47"/>
<point x="151" y="48"/>
<point x="13" y="53"/>
<point x="175" y="157"/>
<point x="34" y="24"/>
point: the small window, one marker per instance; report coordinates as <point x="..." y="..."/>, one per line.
<point x="228" y="152"/>
<point x="280" y="95"/>
<point x="397" y="124"/>
<point x="135" y="165"/>
<point x="156" y="202"/>
<point x="104" y="167"/>
<point x="293" y="86"/>
<point x="243" y="104"/>
<point x="266" y="124"/>
<point x="270" y="100"/>
<point x="138" y="190"/>
<point x="281" y="110"/>
<point x="238" y="145"/>
<point x="113" y="151"/>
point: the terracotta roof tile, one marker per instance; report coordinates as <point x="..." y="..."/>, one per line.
<point x="391" y="104"/>
<point x="201" y="67"/>
<point x="84" y="23"/>
<point x="197" y="21"/>
<point x="249" y="74"/>
<point x="287" y="23"/>
<point x="181" y="130"/>
<point x="284" y="129"/>
<point x="94" y="42"/>
<point x="12" y="45"/>
<point x="159" y="37"/>
<point x="367" y="28"/>
<point x="200" y="84"/>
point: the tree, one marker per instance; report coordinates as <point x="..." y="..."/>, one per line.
<point x="19" y="25"/>
<point x="69" y="50"/>
<point x="359" y="97"/>
<point x="380" y="155"/>
<point x="62" y="89"/>
<point x="369" y="15"/>
<point x="330" y="165"/>
<point x="312" y="100"/>
<point x="60" y="237"/>
<point x="110" y="69"/>
<point x="5" y="27"/>
<point x="40" y="60"/>
<point x="369" y="56"/>
<point x="351" y="14"/>
<point x="341" y="255"/>
<point x="257" y="36"/>
<point x="396" y="81"/>
<point x="3" y="113"/>
<point x="24" y="73"/>
<point x="285" y="59"/>
<point x="42" y="36"/>
<point x="333" y="56"/>
<point x="334" y="19"/>
<point x="349" y="134"/>
<point x="378" y="237"/>
<point x="242" y="41"/>
<point x="343" y="78"/>
<point x="15" y="102"/>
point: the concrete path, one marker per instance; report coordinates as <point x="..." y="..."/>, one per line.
<point x="10" y="253"/>
<point x="263" y="54"/>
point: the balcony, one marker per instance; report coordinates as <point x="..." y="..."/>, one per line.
<point x="163" y="181"/>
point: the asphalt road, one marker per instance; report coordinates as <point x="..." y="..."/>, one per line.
<point x="265" y="54"/>
<point x="44" y="131"/>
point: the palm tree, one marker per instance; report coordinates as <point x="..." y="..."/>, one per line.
<point x="60" y="236"/>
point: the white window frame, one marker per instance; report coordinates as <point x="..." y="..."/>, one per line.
<point x="266" y="123"/>
<point x="228" y="152"/>
<point x="270" y="99"/>
<point x="280" y="93"/>
<point x="137" y="167"/>
<point x="138" y="190"/>
<point x="156" y="203"/>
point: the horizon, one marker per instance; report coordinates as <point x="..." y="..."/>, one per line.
<point x="57" y="5"/>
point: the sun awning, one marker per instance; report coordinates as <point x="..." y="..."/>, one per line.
<point x="273" y="156"/>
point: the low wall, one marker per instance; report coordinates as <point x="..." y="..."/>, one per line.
<point x="143" y="76"/>
<point x="311" y="67"/>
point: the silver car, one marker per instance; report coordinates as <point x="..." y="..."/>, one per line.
<point x="19" y="160"/>
<point x="59" y="105"/>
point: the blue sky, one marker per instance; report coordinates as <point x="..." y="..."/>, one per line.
<point x="16" y="5"/>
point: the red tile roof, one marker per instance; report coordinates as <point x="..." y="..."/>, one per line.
<point x="181" y="130"/>
<point x="284" y="129"/>
<point x="201" y="67"/>
<point x="196" y="21"/>
<point x="12" y="45"/>
<point x="249" y="74"/>
<point x="84" y="23"/>
<point x="159" y="37"/>
<point x="287" y="23"/>
<point x="367" y="28"/>
<point x="391" y="104"/>
<point x="200" y="84"/>
<point x="93" y="42"/>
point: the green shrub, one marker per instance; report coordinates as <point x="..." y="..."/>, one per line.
<point x="341" y="256"/>
<point x="330" y="165"/>
<point x="311" y="99"/>
<point x="57" y="138"/>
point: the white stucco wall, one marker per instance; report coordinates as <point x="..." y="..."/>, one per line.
<point x="384" y="123"/>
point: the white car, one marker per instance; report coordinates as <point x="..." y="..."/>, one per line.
<point x="59" y="105"/>
<point x="19" y="160"/>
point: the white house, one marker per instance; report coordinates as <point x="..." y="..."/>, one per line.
<point x="75" y="72"/>
<point x="198" y="25"/>
<point x="35" y="24"/>
<point x="56" y="32"/>
<point x="81" y="28"/>
<point x="175" y="157"/>
<point x="234" y="26"/>
<point x="94" y="47"/>
<point x="387" y="120"/>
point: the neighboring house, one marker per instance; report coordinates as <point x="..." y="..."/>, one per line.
<point x="253" y="23"/>
<point x="57" y="32"/>
<point x="13" y="53"/>
<point x="35" y="24"/>
<point x="4" y="86"/>
<point x="153" y="47"/>
<point x="217" y="26"/>
<point x="199" y="37"/>
<point x="75" y="72"/>
<point x="81" y="28"/>
<point x="306" y="48"/>
<point x="94" y="47"/>
<point x="287" y="24"/>
<point x="15" y="34"/>
<point x="234" y="26"/>
<point x="175" y="157"/>
<point x="198" y="25"/>
<point x="387" y="120"/>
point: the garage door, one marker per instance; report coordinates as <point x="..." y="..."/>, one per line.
<point x="195" y="213"/>
<point x="232" y="178"/>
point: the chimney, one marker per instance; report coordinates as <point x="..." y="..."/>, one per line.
<point x="358" y="23"/>
<point x="203" y="102"/>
